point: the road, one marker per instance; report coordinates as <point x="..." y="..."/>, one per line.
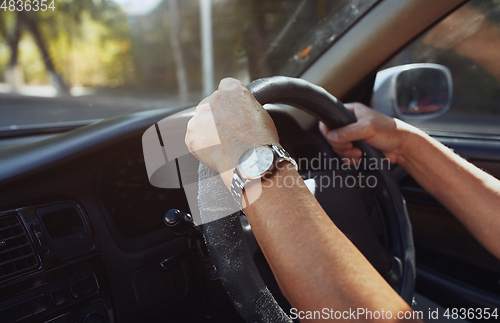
<point x="18" y="110"/>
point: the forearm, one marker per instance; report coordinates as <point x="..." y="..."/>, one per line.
<point x="472" y="195"/>
<point x="287" y="221"/>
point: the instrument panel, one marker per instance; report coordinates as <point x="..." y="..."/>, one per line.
<point x="134" y="205"/>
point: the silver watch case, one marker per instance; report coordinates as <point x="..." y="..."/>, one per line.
<point x="239" y="180"/>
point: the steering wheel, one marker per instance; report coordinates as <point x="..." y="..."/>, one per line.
<point x="225" y="237"/>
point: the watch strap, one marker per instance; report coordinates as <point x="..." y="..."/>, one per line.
<point x="237" y="186"/>
<point x="283" y="155"/>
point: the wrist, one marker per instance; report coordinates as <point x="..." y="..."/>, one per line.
<point x="284" y="177"/>
<point x="410" y="140"/>
<point x="227" y="178"/>
<point x="232" y="151"/>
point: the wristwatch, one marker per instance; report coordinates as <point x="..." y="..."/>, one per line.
<point x="257" y="163"/>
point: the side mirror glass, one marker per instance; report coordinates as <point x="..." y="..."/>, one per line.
<point x="414" y="91"/>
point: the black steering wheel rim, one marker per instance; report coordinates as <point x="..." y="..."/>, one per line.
<point x="224" y="237"/>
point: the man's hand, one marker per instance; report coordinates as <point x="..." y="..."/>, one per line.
<point x="226" y="124"/>
<point x="472" y="195"/>
<point x="309" y="256"/>
<point x="379" y="131"/>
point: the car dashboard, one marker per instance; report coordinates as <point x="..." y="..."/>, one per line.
<point x="82" y="237"/>
<point x="82" y="233"/>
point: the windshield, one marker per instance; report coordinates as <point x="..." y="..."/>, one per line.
<point x="83" y="60"/>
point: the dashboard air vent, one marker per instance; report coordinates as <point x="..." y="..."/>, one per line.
<point x="16" y="252"/>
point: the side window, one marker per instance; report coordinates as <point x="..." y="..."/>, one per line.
<point x="468" y="43"/>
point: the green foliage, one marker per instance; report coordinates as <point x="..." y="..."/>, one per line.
<point x="4" y="59"/>
<point x="29" y="59"/>
<point x="88" y="42"/>
<point x="90" y="53"/>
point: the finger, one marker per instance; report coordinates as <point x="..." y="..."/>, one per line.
<point x="202" y="132"/>
<point x="229" y="83"/>
<point x="350" y="107"/>
<point x="203" y="107"/>
<point x="323" y="128"/>
<point x="342" y="146"/>
<point x="208" y="99"/>
<point x="356" y="107"/>
<point x="352" y="132"/>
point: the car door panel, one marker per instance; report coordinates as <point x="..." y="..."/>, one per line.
<point x="453" y="269"/>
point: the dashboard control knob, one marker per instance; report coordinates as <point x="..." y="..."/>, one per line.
<point x="179" y="222"/>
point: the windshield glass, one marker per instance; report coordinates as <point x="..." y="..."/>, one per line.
<point x="73" y="60"/>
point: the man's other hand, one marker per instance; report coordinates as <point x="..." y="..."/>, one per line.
<point x="379" y="131"/>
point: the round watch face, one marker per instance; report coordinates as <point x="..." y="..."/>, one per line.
<point x="256" y="162"/>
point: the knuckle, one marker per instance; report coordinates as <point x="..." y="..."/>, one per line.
<point x="198" y="110"/>
<point x="190" y="144"/>
<point x="370" y="125"/>
<point x="190" y="125"/>
<point x="244" y="90"/>
<point x="226" y="80"/>
<point x="359" y="106"/>
<point x="217" y="95"/>
<point x="190" y="129"/>
<point x="342" y="134"/>
<point x="201" y="110"/>
<point x="232" y="84"/>
<point x="188" y="141"/>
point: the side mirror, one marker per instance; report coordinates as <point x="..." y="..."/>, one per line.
<point x="413" y="92"/>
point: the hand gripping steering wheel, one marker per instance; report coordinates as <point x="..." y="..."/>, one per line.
<point x="225" y="237"/>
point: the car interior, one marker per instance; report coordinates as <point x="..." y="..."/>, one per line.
<point x="83" y="236"/>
